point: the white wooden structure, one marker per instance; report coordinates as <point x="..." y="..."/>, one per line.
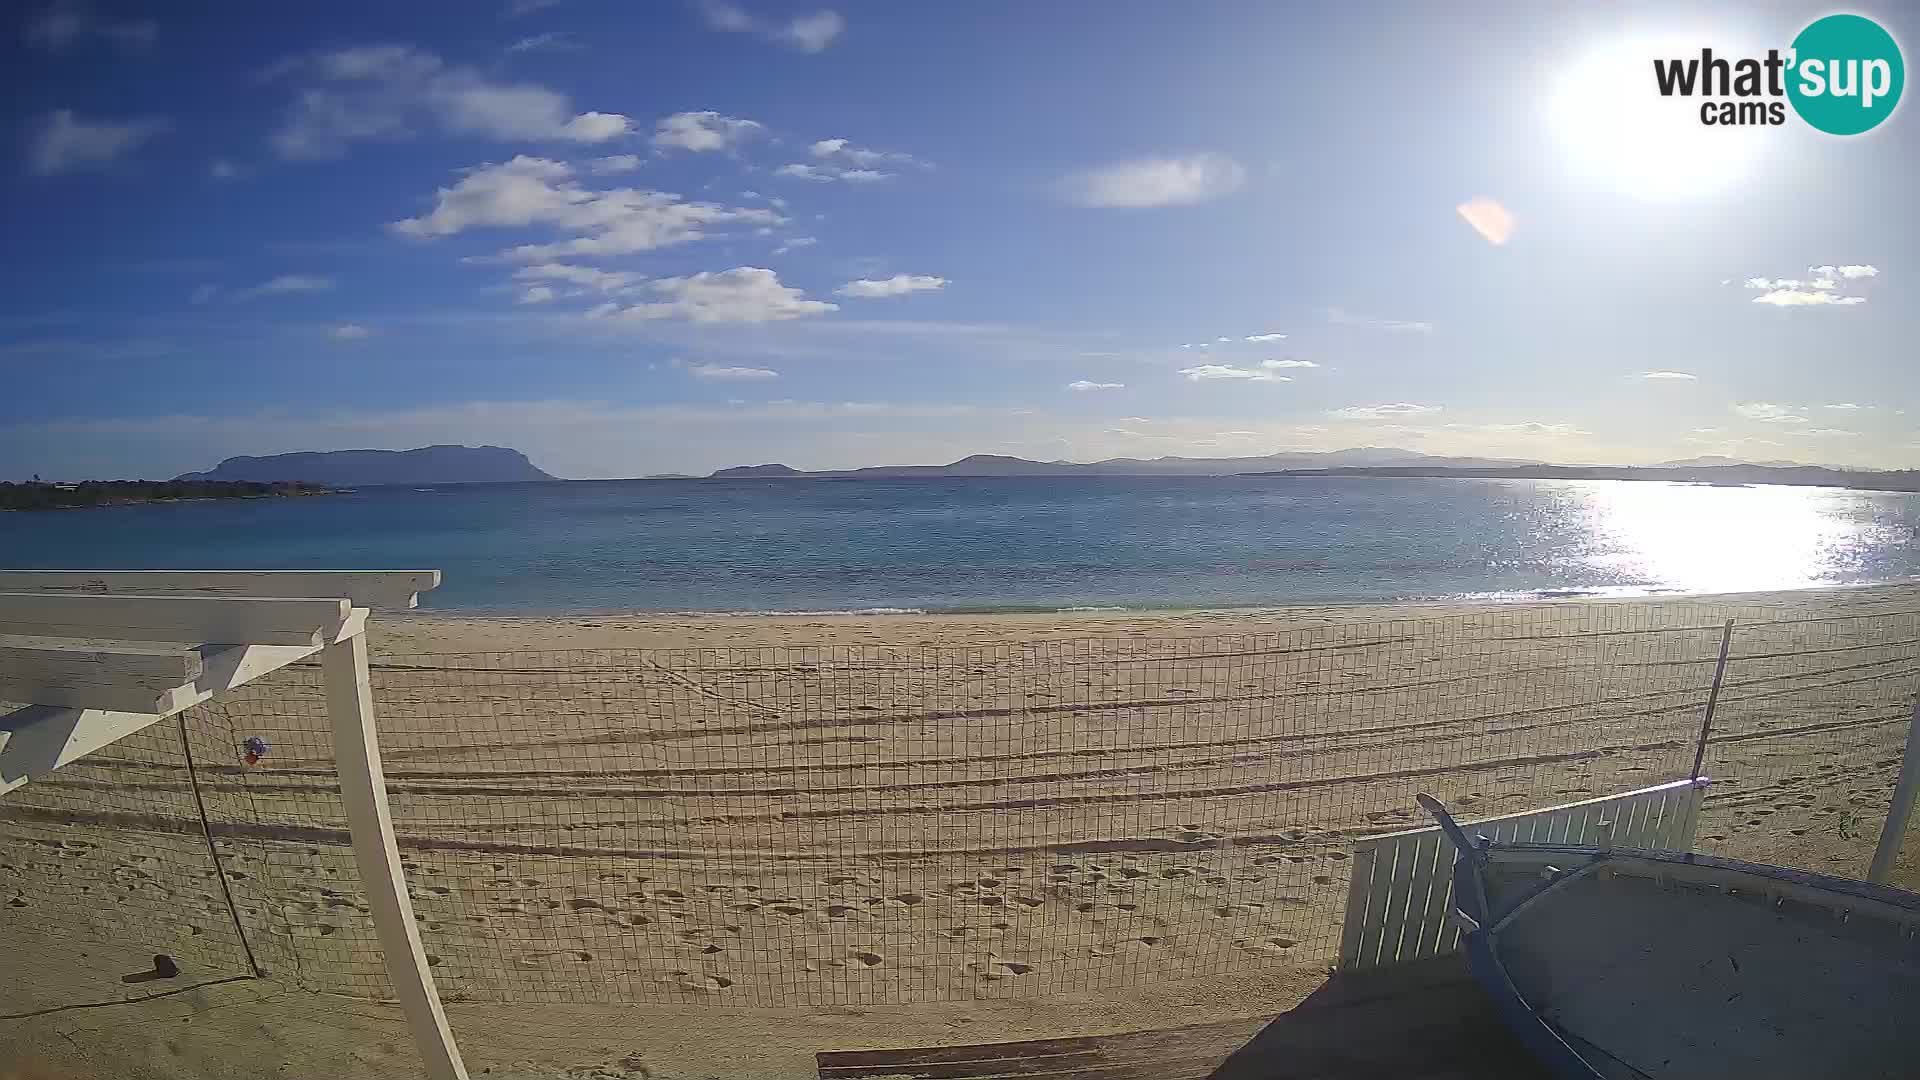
<point x="1400" y="901"/>
<point x="92" y="656"/>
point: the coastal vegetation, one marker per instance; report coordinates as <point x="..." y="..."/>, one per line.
<point x="38" y="495"/>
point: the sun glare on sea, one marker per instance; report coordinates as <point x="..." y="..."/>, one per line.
<point x="1705" y="539"/>
<point x="1615" y="130"/>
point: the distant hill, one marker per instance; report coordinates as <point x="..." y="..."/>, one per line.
<point x="357" y="468"/>
<point x="758" y="470"/>
<point x="1003" y="465"/>
<point x="1716" y="475"/>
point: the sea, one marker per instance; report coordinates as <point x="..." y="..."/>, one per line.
<point x="1015" y="543"/>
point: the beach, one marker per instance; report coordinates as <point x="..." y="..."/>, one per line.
<point x="703" y="843"/>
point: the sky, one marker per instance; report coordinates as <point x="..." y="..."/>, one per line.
<point x="642" y="238"/>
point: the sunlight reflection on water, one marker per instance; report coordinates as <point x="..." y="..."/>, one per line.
<point x="1697" y="538"/>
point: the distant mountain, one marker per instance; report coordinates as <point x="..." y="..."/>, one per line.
<point x="758" y="470"/>
<point x="1722" y="459"/>
<point x="1003" y="465"/>
<point x="1707" y="475"/>
<point x="357" y="468"/>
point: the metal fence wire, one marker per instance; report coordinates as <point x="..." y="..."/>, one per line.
<point x="858" y="825"/>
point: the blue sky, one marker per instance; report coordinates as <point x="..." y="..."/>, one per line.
<point x="642" y="238"/>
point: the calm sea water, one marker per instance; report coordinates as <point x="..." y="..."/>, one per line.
<point x="1010" y="544"/>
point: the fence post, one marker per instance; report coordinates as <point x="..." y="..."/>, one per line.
<point x="363" y="786"/>
<point x="1895" y="828"/>
<point x="1713" y="698"/>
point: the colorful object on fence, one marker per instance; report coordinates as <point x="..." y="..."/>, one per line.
<point x="254" y="748"/>
<point x="1612" y="962"/>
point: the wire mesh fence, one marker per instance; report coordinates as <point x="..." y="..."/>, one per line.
<point x="795" y="826"/>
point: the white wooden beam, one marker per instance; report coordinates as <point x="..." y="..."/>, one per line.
<point x="363" y="787"/>
<point x="39" y="738"/>
<point x="159" y="668"/>
<point x="194" y="619"/>
<point x="366" y="588"/>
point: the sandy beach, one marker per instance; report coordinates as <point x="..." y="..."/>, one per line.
<point x="764" y="836"/>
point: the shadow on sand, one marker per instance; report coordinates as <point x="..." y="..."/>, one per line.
<point x="1423" y="1021"/>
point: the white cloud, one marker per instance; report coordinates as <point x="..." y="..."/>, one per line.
<point x="1827" y="433"/>
<point x="1162" y="181"/>
<point x="539" y="191"/>
<point x="350" y="332"/>
<point x="841" y="160"/>
<point x="1089" y="384"/>
<point x="1390" y="411"/>
<point x="1818" y="292"/>
<point x="1847" y="406"/>
<point x="222" y="169"/>
<point x="1289" y="362"/>
<point x="745" y="294"/>
<point x="1342" y="317"/>
<point x="806" y="33"/>
<point x="794" y="243"/>
<point x="393" y="91"/>
<point x="700" y="132"/>
<point x="717" y="371"/>
<point x="283" y="285"/>
<point x="897" y="285"/>
<point x="1488" y="218"/>
<point x="1527" y="427"/>
<point x="826" y="174"/>
<point x="1207" y="372"/>
<point x="1671" y="375"/>
<point x="1264" y="337"/>
<point x="551" y="41"/>
<point x="537" y="294"/>
<point x="606" y="281"/>
<point x="1799" y="298"/>
<point x="618" y="163"/>
<point x="1768" y="413"/>
<point x="65" y="142"/>
<point x="67" y="22"/>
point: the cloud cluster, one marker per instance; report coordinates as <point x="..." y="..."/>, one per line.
<point x="393" y="92"/>
<point x="1267" y="371"/>
<point x="731" y="374"/>
<point x="1157" y="181"/>
<point x="69" y="22"/>
<point x="1343" y="317"/>
<point x="1393" y="410"/>
<point x="745" y="294"/>
<point x="67" y="143"/>
<point x="806" y="33"/>
<point x="278" y="286"/>
<point x="838" y="159"/>
<point x="539" y="191"/>
<point x="1816" y="291"/>
<point x="1767" y="412"/>
<point x="1089" y="384"/>
<point x="701" y="132"/>
<point x="897" y="285"/>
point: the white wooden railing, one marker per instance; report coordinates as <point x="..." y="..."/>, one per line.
<point x="1400" y="902"/>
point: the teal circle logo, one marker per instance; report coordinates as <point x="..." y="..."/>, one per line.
<point x="1847" y="74"/>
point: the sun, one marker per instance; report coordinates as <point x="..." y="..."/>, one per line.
<point x="1614" y="130"/>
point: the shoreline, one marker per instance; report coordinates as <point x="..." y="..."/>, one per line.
<point x="425" y="631"/>
<point x="1518" y="598"/>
